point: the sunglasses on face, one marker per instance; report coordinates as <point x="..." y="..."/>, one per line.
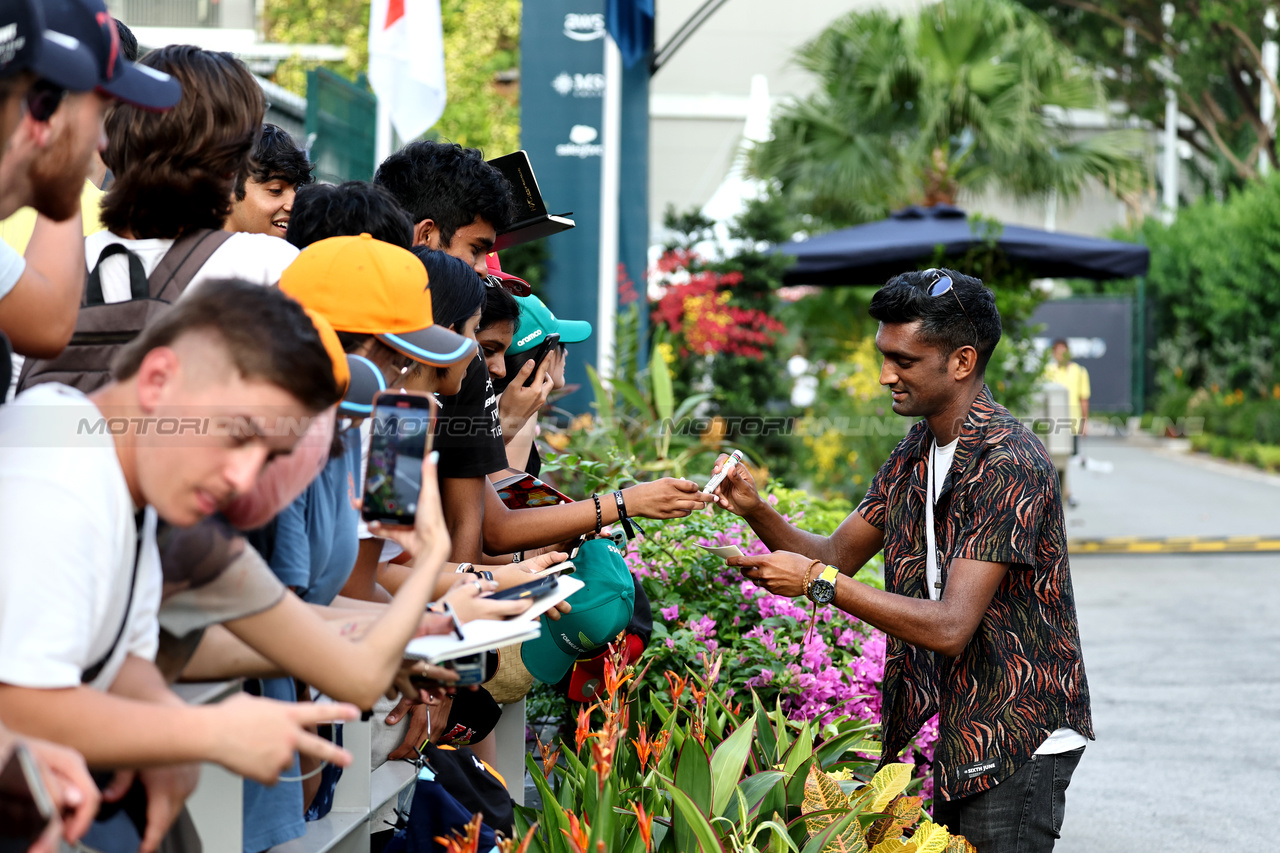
<point x="941" y="283"/>
<point x="515" y="288"/>
<point x="43" y="99"/>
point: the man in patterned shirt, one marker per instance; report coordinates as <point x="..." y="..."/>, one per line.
<point x="978" y="603"/>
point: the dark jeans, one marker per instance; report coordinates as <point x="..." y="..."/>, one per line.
<point x="1023" y="814"/>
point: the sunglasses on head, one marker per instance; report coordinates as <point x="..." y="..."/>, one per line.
<point x="515" y="288"/>
<point x="43" y="99"/>
<point x="940" y="283"/>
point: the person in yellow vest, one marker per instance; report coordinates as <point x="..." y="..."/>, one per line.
<point x="1075" y="379"/>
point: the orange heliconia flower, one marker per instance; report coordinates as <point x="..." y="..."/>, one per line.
<point x="678" y="684"/>
<point x="578" y="833"/>
<point x="465" y="842"/>
<point x="583" y="733"/>
<point x="660" y="741"/>
<point x="643" y="746"/>
<point x="614" y="677"/>
<point x="713" y="667"/>
<point x="549" y="758"/>
<point x="645" y="822"/>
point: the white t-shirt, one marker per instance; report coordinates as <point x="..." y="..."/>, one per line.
<point x="67" y="546"/>
<point x="941" y="456"/>
<point x="258" y="258"/>
<point x="12" y="265"/>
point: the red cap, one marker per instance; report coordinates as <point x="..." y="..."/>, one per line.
<point x="508" y="282"/>
<point x="587" y="676"/>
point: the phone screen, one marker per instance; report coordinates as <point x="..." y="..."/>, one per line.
<point x="540" y="355"/>
<point x="25" y="806"/>
<point x="400" y="439"/>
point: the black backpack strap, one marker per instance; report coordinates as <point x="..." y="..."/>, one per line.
<point x="183" y="260"/>
<point x="139" y="520"/>
<point x="138" y="288"/>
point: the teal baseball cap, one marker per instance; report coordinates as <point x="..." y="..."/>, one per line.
<point x="601" y="610"/>
<point x="537" y="321"/>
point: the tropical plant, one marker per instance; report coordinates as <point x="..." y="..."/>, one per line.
<point x="1214" y="47"/>
<point x="702" y="607"/>
<point x="963" y="96"/>
<point x="481" y="41"/>
<point x="638" y="428"/>
<point x="704" y="774"/>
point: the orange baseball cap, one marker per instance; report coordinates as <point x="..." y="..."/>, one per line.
<point x="333" y="346"/>
<point x="366" y="286"/>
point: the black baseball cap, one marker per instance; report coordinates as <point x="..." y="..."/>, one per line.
<point x="86" y="28"/>
<point x="26" y="46"/>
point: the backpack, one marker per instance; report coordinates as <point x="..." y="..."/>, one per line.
<point x="102" y="328"/>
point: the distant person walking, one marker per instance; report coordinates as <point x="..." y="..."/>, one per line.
<point x="1067" y="373"/>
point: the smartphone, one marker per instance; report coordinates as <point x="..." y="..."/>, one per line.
<point x="532" y="589"/>
<point x="25" y="805"/>
<point x="540" y="354"/>
<point x="472" y="669"/>
<point x="565" y="567"/>
<point x="400" y="438"/>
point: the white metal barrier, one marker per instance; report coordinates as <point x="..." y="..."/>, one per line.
<point x="217" y="806"/>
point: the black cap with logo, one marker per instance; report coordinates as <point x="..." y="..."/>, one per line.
<point x="25" y="45"/>
<point x="85" y="28"/>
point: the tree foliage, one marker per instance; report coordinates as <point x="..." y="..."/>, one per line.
<point x="481" y="40"/>
<point x="967" y="94"/>
<point x="1213" y="46"/>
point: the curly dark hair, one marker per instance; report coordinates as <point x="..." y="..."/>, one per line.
<point x="945" y="323"/>
<point x="175" y="170"/>
<point x="276" y="157"/>
<point x="321" y="211"/>
<point x="448" y="184"/>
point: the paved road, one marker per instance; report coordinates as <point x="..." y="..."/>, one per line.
<point x="1183" y="658"/>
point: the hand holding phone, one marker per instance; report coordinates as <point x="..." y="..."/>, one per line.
<point x="27" y="812"/>
<point x="532" y="589"/>
<point x="400" y="438"/>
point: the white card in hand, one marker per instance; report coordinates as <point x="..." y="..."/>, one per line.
<point x="724" y="551"/>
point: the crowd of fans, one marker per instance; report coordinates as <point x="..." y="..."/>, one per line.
<point x="194" y="328"/>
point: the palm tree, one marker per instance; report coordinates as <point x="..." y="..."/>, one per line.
<point x="967" y="94"/>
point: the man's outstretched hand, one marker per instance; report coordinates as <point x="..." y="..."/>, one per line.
<point x="737" y="491"/>
<point x="781" y="573"/>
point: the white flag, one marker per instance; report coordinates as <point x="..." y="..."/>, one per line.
<point x="406" y="62"/>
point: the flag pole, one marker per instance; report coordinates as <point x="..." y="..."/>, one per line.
<point x="610" y="177"/>
<point x="383" y="135"/>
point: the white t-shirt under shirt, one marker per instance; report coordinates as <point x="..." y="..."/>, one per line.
<point x="12" y="265"/>
<point x="67" y="546"/>
<point x="939" y="466"/>
<point x="259" y="258"/>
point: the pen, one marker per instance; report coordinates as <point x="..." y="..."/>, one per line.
<point x="734" y="458"/>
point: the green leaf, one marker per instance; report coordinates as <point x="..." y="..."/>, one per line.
<point x="726" y="765"/>
<point x="800" y="751"/>
<point x="842" y="835"/>
<point x="833" y="750"/>
<point x="759" y="792"/>
<point x="693" y="776"/>
<point x="701" y="834"/>
<point x="766" y="736"/>
<point x="663" y="395"/>
<point x="604" y="402"/>
<point x="553" y="815"/>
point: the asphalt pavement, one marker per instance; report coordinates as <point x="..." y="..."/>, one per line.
<point x="1182" y="653"/>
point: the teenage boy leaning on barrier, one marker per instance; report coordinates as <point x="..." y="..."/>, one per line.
<point x="80" y="577"/>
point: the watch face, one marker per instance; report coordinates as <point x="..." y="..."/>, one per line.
<point x="822" y="591"/>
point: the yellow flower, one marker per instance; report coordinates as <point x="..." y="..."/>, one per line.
<point x="668" y="353"/>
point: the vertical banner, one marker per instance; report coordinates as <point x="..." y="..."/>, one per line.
<point x="561" y="126"/>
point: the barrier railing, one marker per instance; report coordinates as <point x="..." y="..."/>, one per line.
<point x="217" y="806"/>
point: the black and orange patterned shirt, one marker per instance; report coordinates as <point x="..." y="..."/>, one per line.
<point x="1022" y="674"/>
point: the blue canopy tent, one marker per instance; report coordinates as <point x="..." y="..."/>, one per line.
<point x="909" y="239"/>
